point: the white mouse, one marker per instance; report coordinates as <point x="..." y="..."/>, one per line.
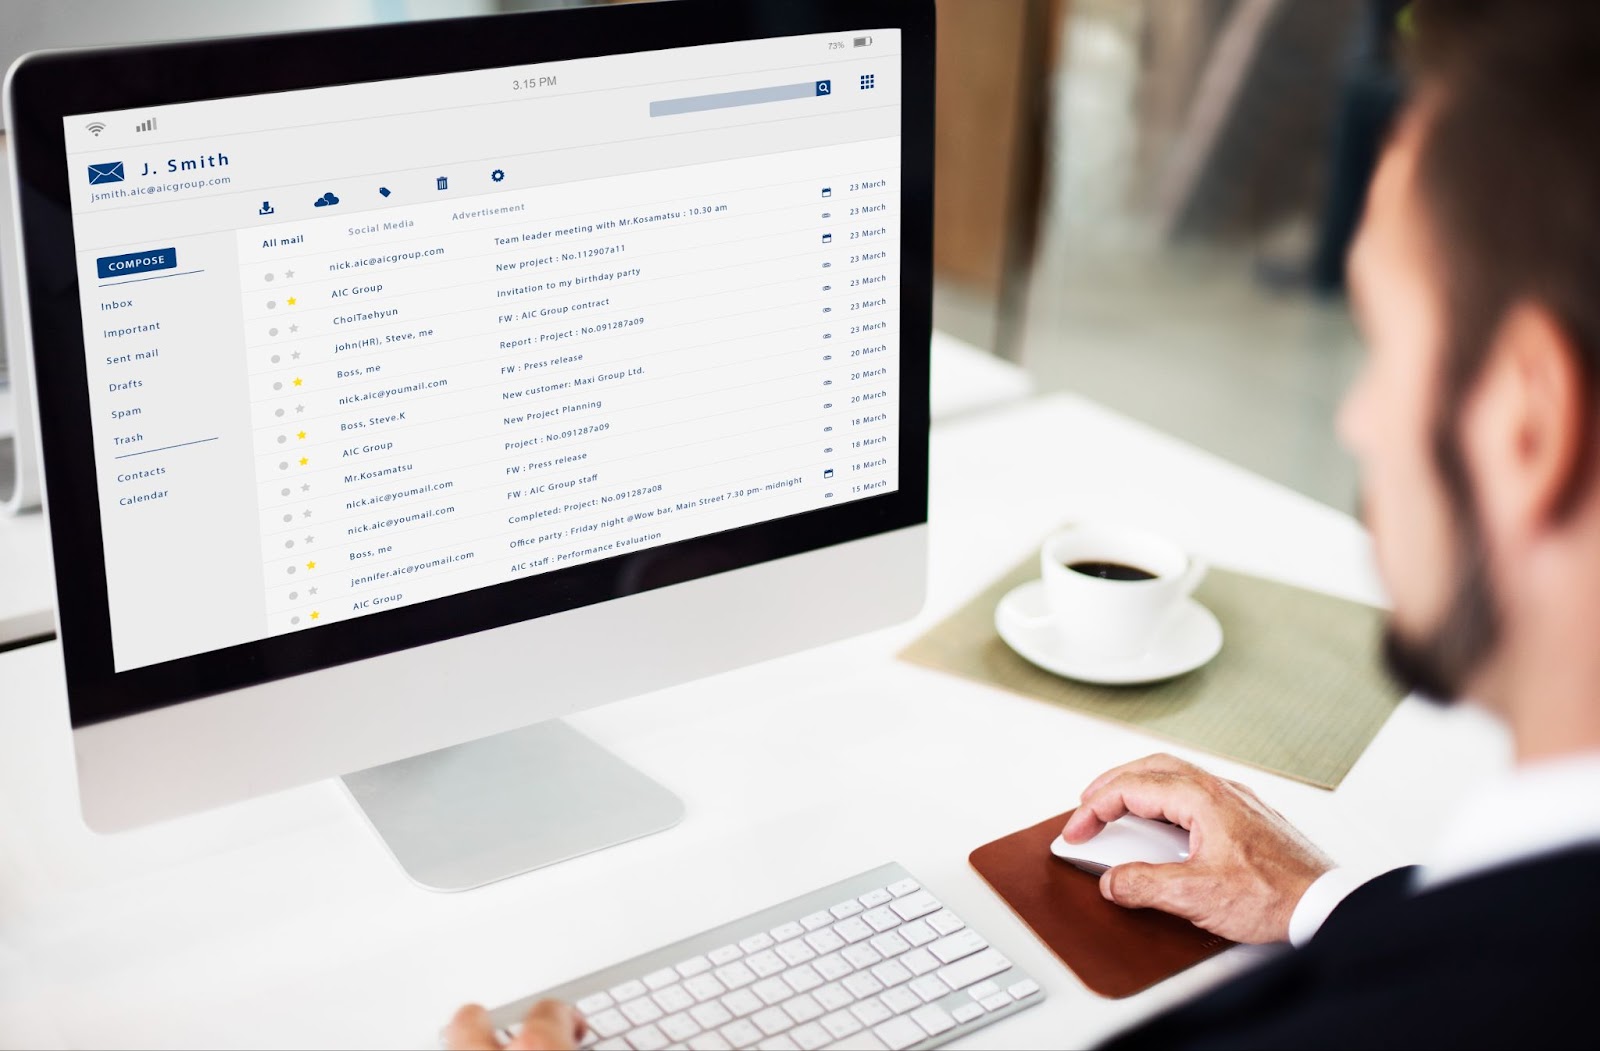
<point x="1127" y="839"/>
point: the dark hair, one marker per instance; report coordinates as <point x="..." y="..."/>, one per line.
<point x="1508" y="175"/>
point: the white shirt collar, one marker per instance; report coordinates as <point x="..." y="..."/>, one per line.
<point x="1531" y="810"/>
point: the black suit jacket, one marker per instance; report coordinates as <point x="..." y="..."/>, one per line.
<point x="1507" y="959"/>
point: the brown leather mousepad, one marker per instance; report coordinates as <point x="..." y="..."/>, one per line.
<point x="1114" y="951"/>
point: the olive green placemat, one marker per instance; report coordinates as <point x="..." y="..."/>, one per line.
<point x="1298" y="688"/>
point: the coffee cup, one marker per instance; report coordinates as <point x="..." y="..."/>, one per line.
<point x="1111" y="590"/>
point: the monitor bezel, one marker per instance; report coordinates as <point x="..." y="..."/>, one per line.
<point x="46" y="88"/>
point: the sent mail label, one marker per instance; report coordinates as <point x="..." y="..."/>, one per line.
<point x="137" y="262"/>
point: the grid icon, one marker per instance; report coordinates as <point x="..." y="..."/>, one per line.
<point x="869" y="81"/>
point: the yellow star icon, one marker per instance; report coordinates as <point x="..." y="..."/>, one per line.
<point x="297" y="381"/>
<point x="304" y="461"/>
<point x="290" y="301"/>
<point x="311" y="565"/>
<point x="301" y="436"/>
<point x="315" y="614"/>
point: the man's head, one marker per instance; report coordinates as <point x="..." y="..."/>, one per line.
<point x="1476" y="279"/>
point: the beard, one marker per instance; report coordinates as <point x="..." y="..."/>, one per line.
<point x="1439" y="663"/>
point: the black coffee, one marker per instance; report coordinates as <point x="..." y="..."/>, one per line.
<point x="1110" y="571"/>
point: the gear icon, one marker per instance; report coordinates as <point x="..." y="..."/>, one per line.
<point x="497" y="175"/>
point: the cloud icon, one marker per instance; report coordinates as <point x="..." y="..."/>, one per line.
<point x="325" y="200"/>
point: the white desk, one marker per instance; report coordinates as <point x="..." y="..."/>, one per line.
<point x="965" y="380"/>
<point x="282" y="923"/>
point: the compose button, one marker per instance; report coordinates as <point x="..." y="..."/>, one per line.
<point x="137" y="262"/>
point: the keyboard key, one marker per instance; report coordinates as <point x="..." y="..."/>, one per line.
<point x="881" y="918"/>
<point x="862" y="984"/>
<point x="735" y="974"/>
<point x="741" y="1002"/>
<point x="913" y="906"/>
<point x="817" y="919"/>
<point x="772" y="991"/>
<point x="1023" y="989"/>
<point x="648" y="1038"/>
<point x="997" y="1001"/>
<point x="771" y="1021"/>
<point x="803" y="1008"/>
<point x="661" y="979"/>
<point x="756" y="942"/>
<point x="944" y="921"/>
<point x="853" y="930"/>
<point x="628" y="991"/>
<point x="900" y="1000"/>
<point x="681" y="1027"/>
<point x="953" y="947"/>
<point x="692" y="966"/>
<point x="802" y="979"/>
<point x="832" y="966"/>
<point x="778" y="1043"/>
<point x="871" y="1012"/>
<point x="810" y="1036"/>
<point x="918" y="933"/>
<point x="890" y="944"/>
<point x="796" y="952"/>
<point x="891" y="973"/>
<point x="873" y="898"/>
<point x="784" y="931"/>
<point x="862" y="955"/>
<point x="614" y="1044"/>
<point x="765" y="963"/>
<point x="901" y="888"/>
<point x="709" y="1042"/>
<point x="834" y="996"/>
<point x="919" y="961"/>
<point x="640" y="1011"/>
<point x="824" y="940"/>
<point x="900" y="1033"/>
<point x="846" y="909"/>
<point x="742" y="1034"/>
<point x="966" y="1013"/>
<point x="963" y="973"/>
<point x="711" y="1016"/>
<point x="928" y="987"/>
<point x="933" y="1019"/>
<point x="704" y="987"/>
<point x="608" y="1023"/>
<point x="672" y="999"/>
<point x="726" y="954"/>
<point x="594" y="1003"/>
<point x="841" y="1024"/>
<point x="987" y="987"/>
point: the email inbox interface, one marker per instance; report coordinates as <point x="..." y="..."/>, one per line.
<point x="505" y="322"/>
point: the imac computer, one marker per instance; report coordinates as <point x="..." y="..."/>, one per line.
<point x="404" y="389"/>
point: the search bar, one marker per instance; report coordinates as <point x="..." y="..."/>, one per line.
<point x="749" y="97"/>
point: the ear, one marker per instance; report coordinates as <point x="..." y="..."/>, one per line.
<point x="1526" y="427"/>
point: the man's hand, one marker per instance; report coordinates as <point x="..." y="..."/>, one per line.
<point x="549" y="1026"/>
<point x="1247" y="867"/>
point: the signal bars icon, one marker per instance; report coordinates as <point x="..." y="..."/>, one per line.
<point x="149" y="125"/>
<point x="95" y="128"/>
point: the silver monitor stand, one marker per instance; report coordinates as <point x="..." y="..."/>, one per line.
<point x="465" y="816"/>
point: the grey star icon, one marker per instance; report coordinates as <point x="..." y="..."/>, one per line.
<point x="311" y="591"/>
<point x="294" y="328"/>
<point x="306" y="488"/>
<point x="299" y="408"/>
<point x="288" y="273"/>
<point x="306" y="515"/>
<point x="295" y="355"/>
<point x="311" y="539"/>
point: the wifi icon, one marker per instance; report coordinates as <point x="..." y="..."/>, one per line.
<point x="95" y="128"/>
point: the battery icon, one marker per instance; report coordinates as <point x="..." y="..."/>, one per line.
<point x="861" y="41"/>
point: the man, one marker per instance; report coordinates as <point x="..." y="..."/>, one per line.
<point x="1476" y="280"/>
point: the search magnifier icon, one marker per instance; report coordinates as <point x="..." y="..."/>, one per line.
<point x="824" y="87"/>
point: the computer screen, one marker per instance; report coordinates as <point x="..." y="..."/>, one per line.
<point x="352" y="349"/>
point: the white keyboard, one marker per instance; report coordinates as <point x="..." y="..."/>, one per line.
<point x="874" y="961"/>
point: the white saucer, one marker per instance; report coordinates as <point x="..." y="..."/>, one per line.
<point x="1188" y="641"/>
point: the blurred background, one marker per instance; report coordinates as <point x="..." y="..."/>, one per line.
<point x="1146" y="202"/>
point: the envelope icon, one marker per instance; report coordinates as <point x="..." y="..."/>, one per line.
<point x="110" y="172"/>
